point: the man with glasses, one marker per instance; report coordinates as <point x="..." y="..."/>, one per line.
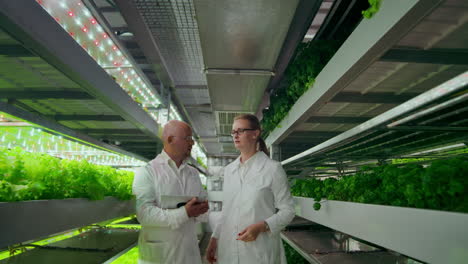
<point x="169" y="235"/>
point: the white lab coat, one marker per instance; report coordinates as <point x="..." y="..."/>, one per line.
<point x="261" y="195"/>
<point x="167" y="235"/>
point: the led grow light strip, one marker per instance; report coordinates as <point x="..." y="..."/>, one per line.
<point x="34" y="139"/>
<point x="75" y="18"/>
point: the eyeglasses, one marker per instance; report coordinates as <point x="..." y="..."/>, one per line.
<point x="187" y="138"/>
<point x="241" y="131"/>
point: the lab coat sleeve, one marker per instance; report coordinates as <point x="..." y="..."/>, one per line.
<point x="283" y="202"/>
<point x="148" y="212"/>
<point x="218" y="226"/>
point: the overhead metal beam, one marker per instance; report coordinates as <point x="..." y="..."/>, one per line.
<point x="330" y="24"/>
<point x="110" y="131"/>
<point x="87" y="118"/>
<point x="433" y="56"/>
<point x="456" y="84"/>
<point x="40" y="95"/>
<point x="429" y="129"/>
<point x="372" y="98"/>
<point x="313" y="134"/>
<point x="146" y="67"/>
<point x="57" y="128"/>
<point x="127" y="37"/>
<point x="140" y="59"/>
<point x="337" y="119"/>
<point x="25" y="20"/>
<point x="21" y="105"/>
<point x="145" y="39"/>
<point x="139" y="145"/>
<point x="149" y="73"/>
<point x="129" y="43"/>
<point x="197" y="106"/>
<point x="124" y="138"/>
<point x="302" y="19"/>
<point x="120" y="29"/>
<point x="237" y="71"/>
<point x="291" y="145"/>
<point x="155" y="83"/>
<point x="192" y="87"/>
<point x="108" y="9"/>
<point x="15" y="51"/>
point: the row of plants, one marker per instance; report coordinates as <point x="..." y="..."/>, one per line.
<point x="300" y="74"/>
<point x="36" y="176"/>
<point x="441" y="185"/>
<point x="309" y="59"/>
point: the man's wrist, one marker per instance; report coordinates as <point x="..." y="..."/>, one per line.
<point x="266" y="227"/>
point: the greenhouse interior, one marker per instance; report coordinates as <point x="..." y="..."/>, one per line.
<point x="363" y="102"/>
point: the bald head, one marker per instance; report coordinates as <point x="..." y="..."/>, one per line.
<point x="174" y="128"/>
<point x="177" y="138"/>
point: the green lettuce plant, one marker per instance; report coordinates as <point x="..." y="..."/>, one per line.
<point x="442" y="185"/>
<point x="33" y="176"/>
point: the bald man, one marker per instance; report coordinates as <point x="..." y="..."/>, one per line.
<point x="169" y="235"/>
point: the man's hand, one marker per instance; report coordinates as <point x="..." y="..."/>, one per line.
<point x="251" y="232"/>
<point x="211" y="250"/>
<point x="195" y="208"/>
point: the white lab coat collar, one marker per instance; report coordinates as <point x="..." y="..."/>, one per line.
<point x="259" y="162"/>
<point x="165" y="159"/>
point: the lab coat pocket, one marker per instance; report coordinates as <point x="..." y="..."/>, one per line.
<point x="152" y="251"/>
<point x="260" y="249"/>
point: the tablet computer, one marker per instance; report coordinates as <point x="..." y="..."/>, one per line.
<point x="176" y="201"/>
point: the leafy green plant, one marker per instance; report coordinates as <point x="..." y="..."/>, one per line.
<point x="374" y="6"/>
<point x="442" y="185"/>
<point x="309" y="59"/>
<point x="299" y="76"/>
<point x="200" y="161"/>
<point x="32" y="176"/>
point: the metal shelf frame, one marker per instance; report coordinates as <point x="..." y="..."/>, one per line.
<point x="427" y="235"/>
<point x="381" y="138"/>
<point x="298" y="249"/>
<point x="215" y="196"/>
<point x="32" y="220"/>
<point x="26" y="21"/>
<point x="370" y="40"/>
<point x="96" y="245"/>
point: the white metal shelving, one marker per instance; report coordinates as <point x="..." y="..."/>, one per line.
<point x="427" y="235"/>
<point x="365" y="45"/>
<point x="32" y="220"/>
<point x="378" y="131"/>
